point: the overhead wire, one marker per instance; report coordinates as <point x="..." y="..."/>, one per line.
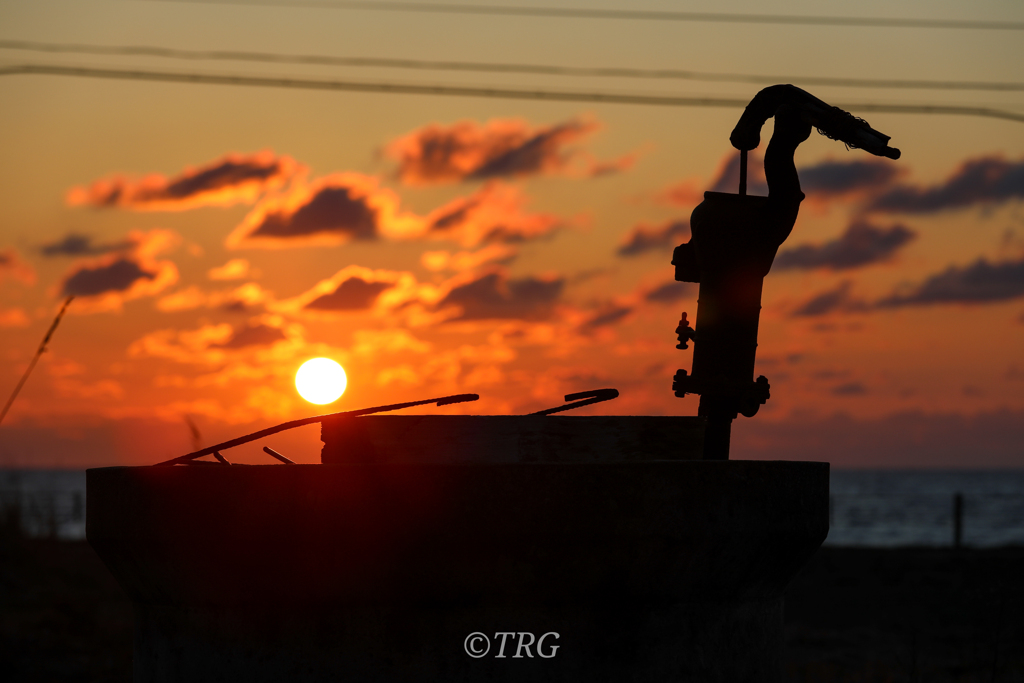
<point x="490" y="67"/>
<point x="623" y="14"/>
<point x="469" y="91"/>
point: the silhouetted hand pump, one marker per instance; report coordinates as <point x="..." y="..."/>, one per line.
<point x="734" y="238"/>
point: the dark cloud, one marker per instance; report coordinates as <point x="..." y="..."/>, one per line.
<point x="606" y="317"/>
<point x="980" y="282"/>
<point x="81" y="245"/>
<point x="836" y="178"/>
<point x="670" y="292"/>
<point x="498" y="149"/>
<point x="252" y="335"/>
<point x="352" y="294"/>
<point x="493" y="296"/>
<point x="834" y="300"/>
<point x="985" y="180"/>
<point x="860" y="245"/>
<point x="333" y="210"/>
<point x="117" y="276"/>
<point x="644" y="238"/>
<point x="236" y="178"/>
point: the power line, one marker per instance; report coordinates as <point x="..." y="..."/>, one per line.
<point x="471" y="91"/>
<point x="642" y="15"/>
<point x="486" y="67"/>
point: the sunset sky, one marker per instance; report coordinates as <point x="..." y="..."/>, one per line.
<point x="217" y="236"/>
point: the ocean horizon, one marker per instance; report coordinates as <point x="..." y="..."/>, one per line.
<point x="868" y="507"/>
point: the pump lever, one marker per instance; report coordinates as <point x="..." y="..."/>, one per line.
<point x="583" y="398"/>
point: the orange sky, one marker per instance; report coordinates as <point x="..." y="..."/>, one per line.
<point x="218" y="236"/>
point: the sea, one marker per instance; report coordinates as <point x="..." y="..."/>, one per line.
<point x="871" y="508"/>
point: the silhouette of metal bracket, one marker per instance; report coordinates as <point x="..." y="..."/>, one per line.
<point x="749" y="396"/>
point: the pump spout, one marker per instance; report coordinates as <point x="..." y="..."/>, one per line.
<point x="832" y="122"/>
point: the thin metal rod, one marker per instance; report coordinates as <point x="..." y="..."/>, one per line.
<point x="583" y="398"/>
<point x="743" y="171"/>
<point x="273" y="453"/>
<point x="35" y="358"/>
<point x="443" y="401"/>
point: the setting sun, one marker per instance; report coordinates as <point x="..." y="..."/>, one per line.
<point x="321" y="380"/>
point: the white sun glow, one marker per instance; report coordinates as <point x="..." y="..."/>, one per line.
<point x="320" y="381"/>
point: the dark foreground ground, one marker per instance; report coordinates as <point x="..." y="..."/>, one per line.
<point x="852" y="615"/>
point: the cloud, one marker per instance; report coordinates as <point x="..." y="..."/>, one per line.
<point x="643" y="238"/>
<point x="239" y="300"/>
<point x="233" y="179"/>
<point x="13" y="317"/>
<point x="685" y="193"/>
<point x="500" y="148"/>
<point x="332" y="210"/>
<point x="834" y="300"/>
<point x="257" y="334"/>
<point x="980" y="282"/>
<point x="81" y="245"/>
<point x="670" y="292"/>
<point x="352" y="289"/>
<point x="985" y="180"/>
<point x="605" y="316"/>
<point x="862" y="244"/>
<point x="268" y="339"/>
<point x="235" y="269"/>
<point x="436" y="261"/>
<point x="495" y="296"/>
<point x="104" y="284"/>
<point x="352" y="294"/>
<point x="829" y="179"/>
<point x="495" y="213"/>
<point x="12" y="266"/>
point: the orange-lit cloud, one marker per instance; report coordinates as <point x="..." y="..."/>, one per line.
<point x="332" y="210"/>
<point x="980" y="181"/>
<point x="12" y="266"/>
<point x="354" y="289"/>
<point x="500" y="148"/>
<point x="493" y="295"/>
<point x="468" y="260"/>
<point x="233" y="179"/>
<point x="242" y="299"/>
<point x="495" y="213"/>
<point x="235" y="269"/>
<point x="104" y="284"/>
<point x="860" y="245"/>
<point x="267" y="336"/>
<point x="13" y="317"/>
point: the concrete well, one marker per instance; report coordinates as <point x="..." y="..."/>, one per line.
<point x="647" y="569"/>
